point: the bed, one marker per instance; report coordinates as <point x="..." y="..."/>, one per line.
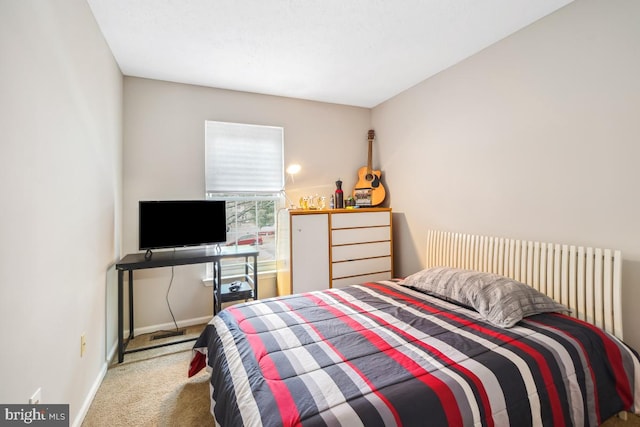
<point x="449" y="345"/>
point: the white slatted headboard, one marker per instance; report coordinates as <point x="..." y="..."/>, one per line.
<point x="586" y="280"/>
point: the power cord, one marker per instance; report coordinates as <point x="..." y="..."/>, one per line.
<point x="159" y="334"/>
<point x="167" y="296"/>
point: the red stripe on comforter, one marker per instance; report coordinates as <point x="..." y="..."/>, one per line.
<point x="446" y="397"/>
<point x="558" y="417"/>
<point x="484" y="398"/>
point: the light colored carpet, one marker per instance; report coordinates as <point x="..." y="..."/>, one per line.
<point x="151" y="388"/>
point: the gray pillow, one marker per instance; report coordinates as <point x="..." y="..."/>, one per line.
<point x="501" y="301"/>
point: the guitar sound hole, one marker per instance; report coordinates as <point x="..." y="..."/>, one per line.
<point x="369" y="177"/>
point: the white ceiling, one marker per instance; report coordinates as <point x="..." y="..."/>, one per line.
<point x="353" y="52"/>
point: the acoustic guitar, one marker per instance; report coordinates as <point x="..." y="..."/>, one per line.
<point x="369" y="191"/>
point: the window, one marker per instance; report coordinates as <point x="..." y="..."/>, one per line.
<point x="244" y="166"/>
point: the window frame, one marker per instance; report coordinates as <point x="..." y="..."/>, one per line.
<point x="233" y="268"/>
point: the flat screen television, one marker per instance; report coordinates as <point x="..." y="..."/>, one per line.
<point x="181" y="223"/>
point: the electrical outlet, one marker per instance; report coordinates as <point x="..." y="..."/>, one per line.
<point x="36" y="397"/>
<point x="83" y="344"/>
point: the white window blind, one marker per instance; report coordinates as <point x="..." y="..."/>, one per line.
<point x="243" y="158"/>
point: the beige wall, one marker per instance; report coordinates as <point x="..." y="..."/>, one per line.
<point x="163" y="159"/>
<point x="536" y="137"/>
<point x="60" y="215"/>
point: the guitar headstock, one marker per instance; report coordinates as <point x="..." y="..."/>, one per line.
<point x="371" y="135"/>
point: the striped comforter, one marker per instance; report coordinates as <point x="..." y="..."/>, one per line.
<point x="382" y="354"/>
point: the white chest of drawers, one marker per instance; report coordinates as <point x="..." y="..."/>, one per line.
<point x="333" y="248"/>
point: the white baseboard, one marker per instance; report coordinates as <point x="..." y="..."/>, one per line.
<point x="111" y="353"/>
<point x="92" y="393"/>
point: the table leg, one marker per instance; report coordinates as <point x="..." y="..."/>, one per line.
<point x="255" y="277"/>
<point x="131" y="335"/>
<point x="120" y="319"/>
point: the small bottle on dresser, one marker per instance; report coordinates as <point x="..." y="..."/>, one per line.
<point x="339" y="203"/>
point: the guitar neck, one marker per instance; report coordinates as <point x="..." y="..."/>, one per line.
<point x="370" y="136"/>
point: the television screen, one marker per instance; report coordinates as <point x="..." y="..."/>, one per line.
<point x="178" y="223"/>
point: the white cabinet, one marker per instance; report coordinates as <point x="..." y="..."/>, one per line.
<point x="310" y="250"/>
<point x="333" y="248"/>
<point x="303" y="258"/>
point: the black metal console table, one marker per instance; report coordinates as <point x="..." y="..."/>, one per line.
<point x="221" y="293"/>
